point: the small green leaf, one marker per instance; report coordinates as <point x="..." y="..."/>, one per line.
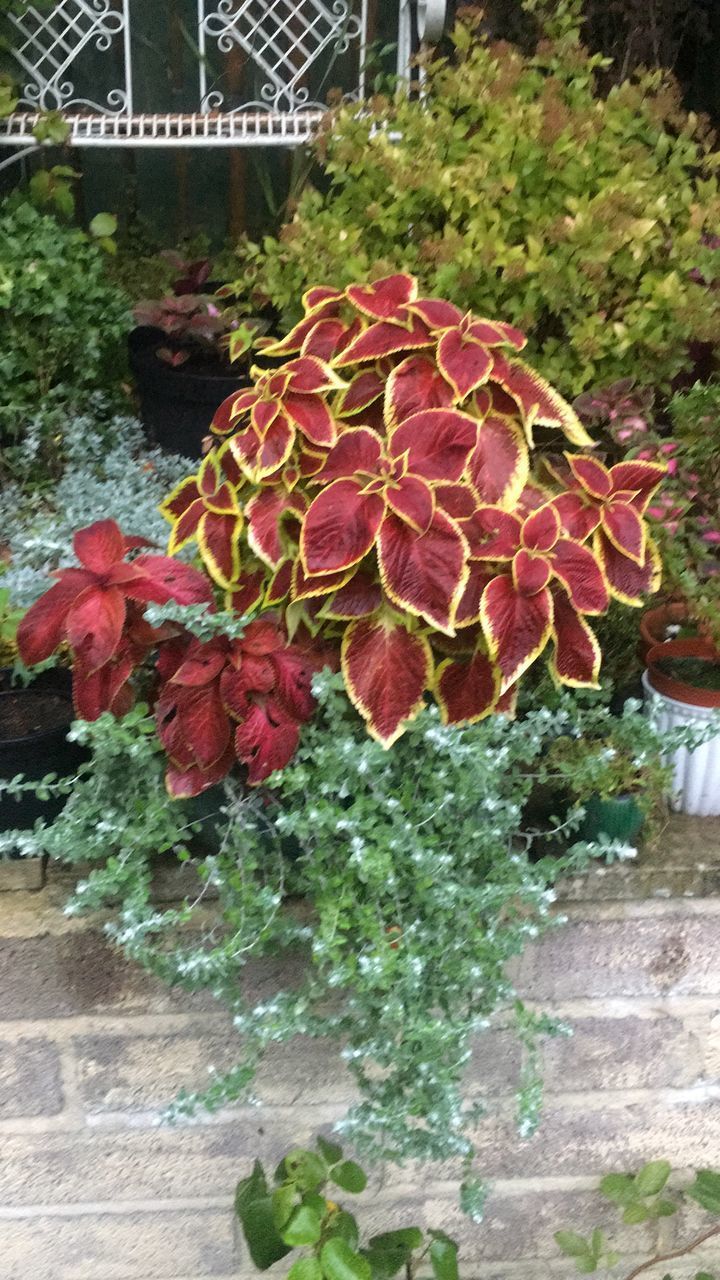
<point x="304" y="1226"/>
<point x="330" y="1151"/>
<point x="587" y="1264"/>
<point x="283" y="1203"/>
<point x="103" y="224"/>
<point x="304" y="1168"/>
<point x="706" y="1190"/>
<point x="443" y="1256"/>
<point x="344" y="1226"/>
<point x="618" y="1187"/>
<point x="406" y="1238"/>
<point x="597" y="1243"/>
<point x="571" y="1243"/>
<point x="340" y="1262"/>
<point x="664" y="1208"/>
<point x="636" y="1213"/>
<point x="305" y="1269"/>
<point x="652" y="1177"/>
<point x="349" y="1176"/>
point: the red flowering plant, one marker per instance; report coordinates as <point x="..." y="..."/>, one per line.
<point x="375" y="487"/>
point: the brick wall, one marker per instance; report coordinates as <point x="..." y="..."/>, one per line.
<point x="91" y="1188"/>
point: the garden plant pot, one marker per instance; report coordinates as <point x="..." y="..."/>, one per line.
<point x="655" y="622"/>
<point x="618" y="818"/>
<point x="177" y="404"/>
<point x="673" y="701"/>
<point x="33" y="741"/>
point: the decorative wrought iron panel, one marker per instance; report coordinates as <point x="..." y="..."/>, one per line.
<point x="51" y="47"/>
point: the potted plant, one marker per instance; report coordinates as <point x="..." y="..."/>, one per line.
<point x="181" y="353"/>
<point x="682" y="685"/>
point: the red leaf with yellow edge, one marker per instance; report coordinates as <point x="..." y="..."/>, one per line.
<point x="94" y="625"/>
<point x="363" y="390"/>
<point x="517" y="628"/>
<point x="386" y="670"/>
<point x="264" y="513"/>
<point x="424" y="573"/>
<point x="468" y="610"/>
<point x="307" y="375"/>
<point x="224" y="501"/>
<point x="226" y="417"/>
<point x="499" y="464"/>
<point x="248" y="592"/>
<point x="437" y="313"/>
<point x="384" y="339"/>
<point x="531" y="573"/>
<point x="263" y="414"/>
<point x="413" y="501"/>
<point x="577" y="657"/>
<point x="322" y="297"/>
<point x="415" y="384"/>
<point x="463" y="362"/>
<point x="577" y="517"/>
<point x="100" y="546"/>
<point x="244" y="446"/>
<point x="640" y="478"/>
<point x="304" y="588"/>
<point x="42" y="628"/>
<point x="492" y="534"/>
<point x="541" y="529"/>
<point x="311" y="414"/>
<point x="340" y="527"/>
<point x="495" y="333"/>
<point x="324" y="339"/>
<point x="383" y="299"/>
<point x="438" y="443"/>
<point x="624" y="527"/>
<point x="591" y="474"/>
<point x="219" y="542"/>
<point x="531" y="497"/>
<point x="458" y="500"/>
<point x="184" y="782"/>
<point x="324" y="307"/>
<point x="280" y="584"/>
<point x="359" y="449"/>
<point x="273" y="451"/>
<point x="581" y="575"/>
<point x="537" y="400"/>
<point x="180" y="498"/>
<point x="186" y="526"/>
<point x="628" y="581"/>
<point x="361" y="596"/>
<point x="466" y="691"/>
<point x="266" y="740"/>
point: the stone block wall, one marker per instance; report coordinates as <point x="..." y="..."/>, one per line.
<point x="92" y="1187"/>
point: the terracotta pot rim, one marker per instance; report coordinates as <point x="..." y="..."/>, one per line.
<point x="680" y="690"/>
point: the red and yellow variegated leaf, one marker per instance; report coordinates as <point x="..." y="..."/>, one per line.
<point x="628" y="581"/>
<point x="362" y="391"/>
<point x="185" y="781"/>
<point x="463" y="362"/>
<point x="577" y="657"/>
<point x="42" y="628"/>
<point x="466" y="691"/>
<point x="273" y="451"/>
<point x="307" y="375"/>
<point x="468" y="610"/>
<point x="591" y="474"/>
<point x="492" y="534"/>
<point x="386" y="671"/>
<point x="304" y="588"/>
<point x="99" y="546"/>
<point x="322" y="298"/>
<point x="458" y="500"/>
<point x="186" y="527"/>
<point x="311" y="414"/>
<point x="224" y="501"/>
<point x="531" y="573"/>
<point x="208" y="477"/>
<point x="495" y="333"/>
<point x="577" y="517"/>
<point x="499" y="463"/>
<point x="248" y="592"/>
<point x="415" y="384"/>
<point x="638" y="477"/>
<point x="438" y="443"/>
<point x="359" y="449"/>
<point x="181" y="497"/>
<point x="624" y="527"/>
<point x="358" y="599"/>
<point x="266" y="740"/>
<point x="264" y="513"/>
<point x="340" y="527"/>
<point x="581" y="575"/>
<point x="244" y="447"/>
<point x="384" y="298"/>
<point x="384" y="339"/>
<point x="280" y="584"/>
<point x="225" y="418"/>
<point x="219" y="542"/>
<point x="541" y="529"/>
<point x="324" y="339"/>
<point x="507" y="702"/>
<point x="537" y="400"/>
<point x="264" y="413"/>
<point x="531" y="497"/>
<point x="424" y="573"/>
<point x="517" y="628"/>
<point x="437" y="313"/>
<point x="94" y="625"/>
<point x="324" y="308"/>
<point x="413" y="501"/>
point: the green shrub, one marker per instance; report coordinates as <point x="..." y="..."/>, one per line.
<point x="62" y="323"/>
<point x="513" y="188"/>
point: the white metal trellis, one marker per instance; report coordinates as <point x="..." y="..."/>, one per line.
<point x="278" y="42"/>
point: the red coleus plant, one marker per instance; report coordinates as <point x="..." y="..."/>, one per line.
<point x="216" y="702"/>
<point x="377" y="489"/>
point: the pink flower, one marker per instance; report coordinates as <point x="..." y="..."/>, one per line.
<point x="713" y="535"/>
<point x="669" y="447"/>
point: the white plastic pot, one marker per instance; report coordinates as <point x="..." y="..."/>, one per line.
<point x="696" y="781"/>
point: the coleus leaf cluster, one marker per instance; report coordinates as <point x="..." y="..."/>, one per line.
<point x="217" y="702"/>
<point x="375" y="485"/>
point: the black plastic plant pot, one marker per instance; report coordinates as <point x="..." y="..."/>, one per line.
<point x="33" y="740"/>
<point x="617" y="817"/>
<point x="176" y="404"/>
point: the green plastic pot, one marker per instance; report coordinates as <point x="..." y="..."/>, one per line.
<point x="619" y="818"/>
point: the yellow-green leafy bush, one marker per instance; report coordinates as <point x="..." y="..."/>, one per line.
<point x="513" y="188"/>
